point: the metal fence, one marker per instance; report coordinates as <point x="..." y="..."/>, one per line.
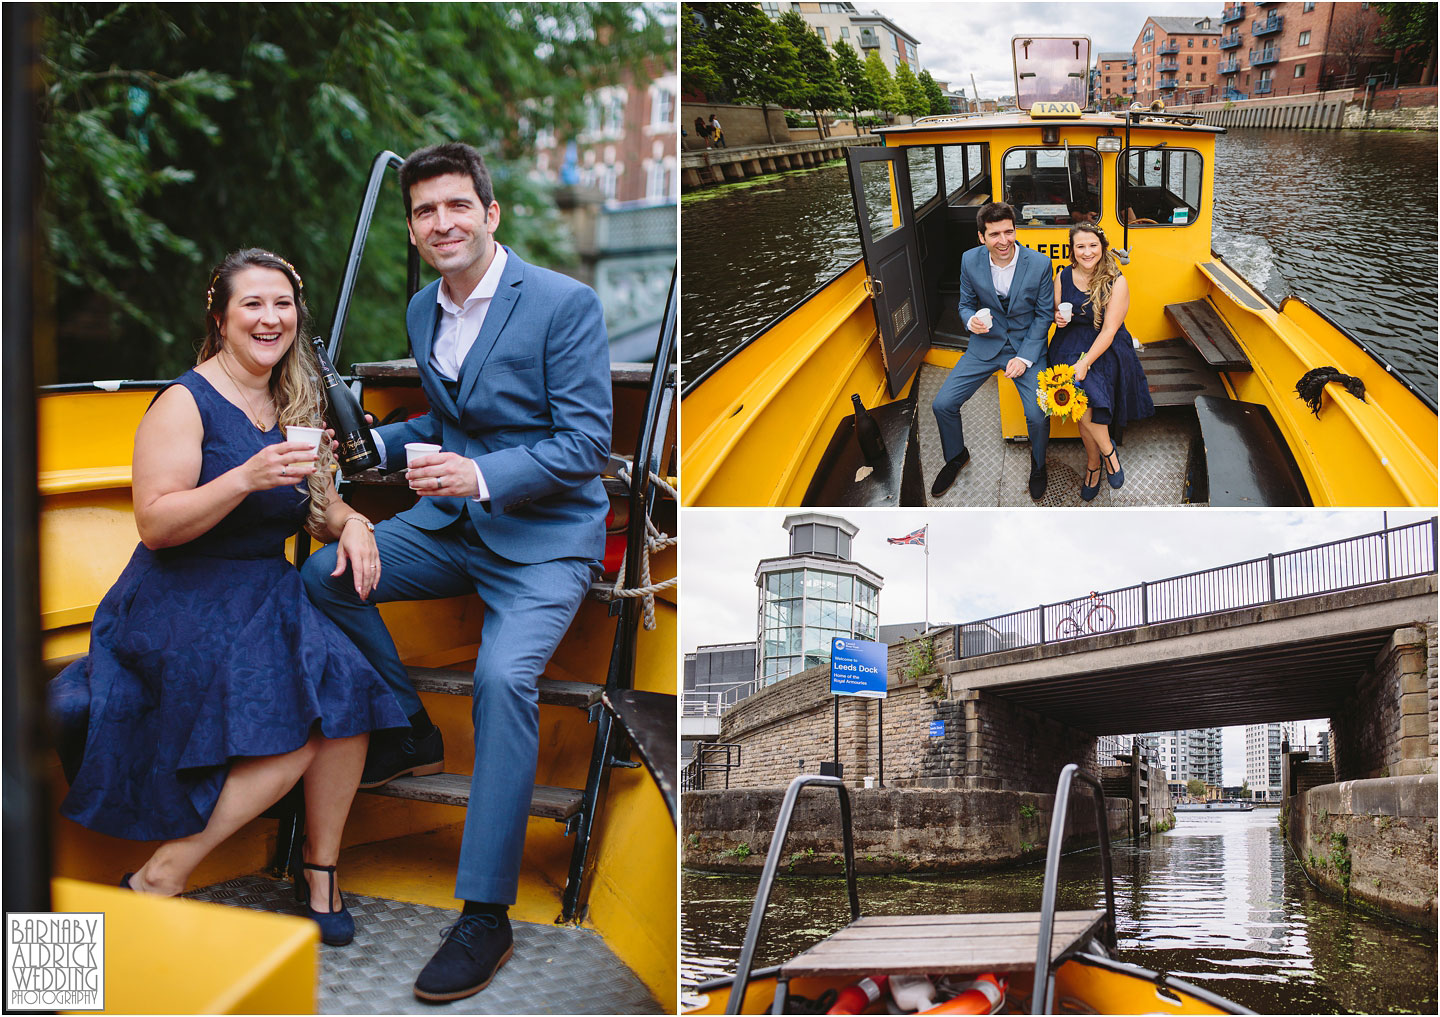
<point x="710" y="758"/>
<point x="1400" y="552"/>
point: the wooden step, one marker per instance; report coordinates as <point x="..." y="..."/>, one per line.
<point x="454" y="789"/>
<point x="1202" y="325"/>
<point x="451" y="681"/>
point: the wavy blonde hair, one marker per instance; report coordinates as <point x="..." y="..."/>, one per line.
<point x="1102" y="283"/>
<point x="294" y="382"/>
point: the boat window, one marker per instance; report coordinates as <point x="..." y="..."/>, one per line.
<point x="924" y="176"/>
<point x="1052" y="186"/>
<point x="1050" y="69"/>
<point x="967" y="174"/>
<point x="1161" y="186"/>
<point x="875" y="183"/>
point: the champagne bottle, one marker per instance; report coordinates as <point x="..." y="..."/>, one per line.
<point x="867" y="433"/>
<point x="343" y="415"/>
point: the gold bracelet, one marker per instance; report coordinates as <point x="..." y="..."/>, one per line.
<point x="350" y="519"/>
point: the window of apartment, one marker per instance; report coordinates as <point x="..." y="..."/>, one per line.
<point x="844" y="33"/>
<point x="1308" y="6"/>
<point x="1149" y="34"/>
<point x="1202" y="75"/>
<point x="1107" y="79"/>
<point x="1204" y="60"/>
<point x="820" y="31"/>
<point x="1190" y="42"/>
<point x="662" y="107"/>
<point x="1189" y="59"/>
<point x="1299" y="70"/>
<point x="1204" y="43"/>
<point x="1187" y="75"/>
<point x="772" y="8"/>
<point x="1304" y="39"/>
<point x="1047" y="190"/>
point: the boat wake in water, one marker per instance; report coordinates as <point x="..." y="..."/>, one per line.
<point x="1255" y="260"/>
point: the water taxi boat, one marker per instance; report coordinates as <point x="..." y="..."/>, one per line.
<point x="1041" y="962"/>
<point x="595" y="919"/>
<point x="772" y="423"/>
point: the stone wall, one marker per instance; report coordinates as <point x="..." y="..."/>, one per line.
<point x="895" y="829"/>
<point x="743" y="125"/>
<point x="1018" y="748"/>
<point x="1372" y="841"/>
<point x="1387" y="728"/>
<point x="1411" y="108"/>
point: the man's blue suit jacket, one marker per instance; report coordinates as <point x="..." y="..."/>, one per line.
<point x="1032" y="303"/>
<point x="533" y="409"/>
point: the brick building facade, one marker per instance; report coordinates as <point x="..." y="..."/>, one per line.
<point x="1277" y="49"/>
<point x="1176" y="58"/>
<point x="1113" y="78"/>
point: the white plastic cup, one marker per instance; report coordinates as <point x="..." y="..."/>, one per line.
<point x="985" y="317"/>
<point x="415" y="449"/>
<point x="1066" y="312"/>
<point x="312" y="435"/>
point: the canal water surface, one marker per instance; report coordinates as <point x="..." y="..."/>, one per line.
<point x="1344" y="219"/>
<point x="1218" y="901"/>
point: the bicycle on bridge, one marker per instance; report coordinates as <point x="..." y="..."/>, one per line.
<point x="1088" y="615"/>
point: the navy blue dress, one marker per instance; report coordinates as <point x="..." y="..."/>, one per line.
<point x="204" y="653"/>
<point x="1115" y="383"/>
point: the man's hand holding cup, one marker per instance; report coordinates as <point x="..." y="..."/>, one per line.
<point x="980" y="321"/>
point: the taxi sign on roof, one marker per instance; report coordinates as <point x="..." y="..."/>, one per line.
<point x="1054" y="110"/>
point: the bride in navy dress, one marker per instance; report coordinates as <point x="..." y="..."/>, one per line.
<point x="212" y="684"/>
<point x="1095" y="340"/>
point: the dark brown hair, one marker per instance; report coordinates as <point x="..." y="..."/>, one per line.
<point x="438" y="160"/>
<point x="996" y="211"/>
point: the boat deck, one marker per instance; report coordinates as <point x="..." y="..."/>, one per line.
<point x="557" y="969"/>
<point x="941" y="944"/>
<point x="1156" y="455"/>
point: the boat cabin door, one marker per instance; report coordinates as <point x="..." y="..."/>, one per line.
<point x="880" y="187"/>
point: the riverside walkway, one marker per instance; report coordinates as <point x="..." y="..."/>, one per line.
<point x="726" y="165"/>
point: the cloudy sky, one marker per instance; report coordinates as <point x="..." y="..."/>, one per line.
<point x="961" y="39"/>
<point x="985" y="562"/>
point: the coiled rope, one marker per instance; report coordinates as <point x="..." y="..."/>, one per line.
<point x="655" y="541"/>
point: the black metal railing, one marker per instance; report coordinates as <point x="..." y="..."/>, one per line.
<point x="1399" y="552"/>
<point x="710" y="757"/>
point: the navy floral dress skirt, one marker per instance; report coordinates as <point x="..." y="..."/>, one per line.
<point x="203" y="654"/>
<point x="1115" y="384"/>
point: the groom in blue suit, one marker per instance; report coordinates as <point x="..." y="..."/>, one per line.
<point x="515" y="364"/>
<point x="1015" y="285"/>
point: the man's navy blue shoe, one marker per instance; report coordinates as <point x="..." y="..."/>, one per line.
<point x="474" y="948"/>
<point x="394" y="755"/>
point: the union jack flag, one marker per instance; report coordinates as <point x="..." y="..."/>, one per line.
<point x="918" y="537"/>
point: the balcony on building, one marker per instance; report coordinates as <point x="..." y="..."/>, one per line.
<point x="1261" y="57"/>
<point x="1128" y="77"/>
<point x="1168" y="65"/>
<point x="869" y="39"/>
<point x="1271" y="24"/>
<point x="1173" y="46"/>
<point x="1230" y="41"/>
<point x="1235" y="95"/>
<point x="1232" y="67"/>
<point x="1235" y="13"/>
<point x="1169" y="84"/>
<point x="1262" y="87"/>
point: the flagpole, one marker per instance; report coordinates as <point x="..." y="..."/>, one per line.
<point x="927" y="578"/>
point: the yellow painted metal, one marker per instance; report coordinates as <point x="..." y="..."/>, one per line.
<point x="755" y="428"/>
<point x="165" y="955"/>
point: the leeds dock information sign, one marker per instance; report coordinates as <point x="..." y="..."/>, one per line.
<point x="857" y="668"/>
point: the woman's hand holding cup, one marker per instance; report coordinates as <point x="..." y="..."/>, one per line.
<point x="1063" y="313"/>
<point x="283" y="465"/>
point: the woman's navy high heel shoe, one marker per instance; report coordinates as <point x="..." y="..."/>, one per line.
<point x="1117" y="479"/>
<point x="1088" y="493"/>
<point x="336" y="927"/>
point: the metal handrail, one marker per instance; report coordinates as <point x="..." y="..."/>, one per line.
<point x="1405" y="552"/>
<point x="772" y="864"/>
<point x="1042" y="995"/>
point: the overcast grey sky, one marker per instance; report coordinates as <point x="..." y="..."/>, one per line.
<point x="960" y="39"/>
<point x="985" y="562"/>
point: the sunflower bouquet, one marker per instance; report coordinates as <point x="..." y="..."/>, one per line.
<point x="1057" y="395"/>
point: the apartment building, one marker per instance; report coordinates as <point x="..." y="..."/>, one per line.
<point x="1176" y="57"/>
<point x="1112" y="75"/>
<point x="1294" y="48"/>
<point x="1262" y="758"/>
<point x="1189" y="755"/>
<point x="836" y="22"/>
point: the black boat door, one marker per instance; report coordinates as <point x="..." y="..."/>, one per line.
<point x="892" y="259"/>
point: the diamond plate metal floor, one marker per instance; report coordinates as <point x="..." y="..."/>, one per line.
<point x="1155" y="455"/>
<point x="556" y="969"/>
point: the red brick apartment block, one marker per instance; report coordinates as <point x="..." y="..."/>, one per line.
<point x="1277" y="49"/>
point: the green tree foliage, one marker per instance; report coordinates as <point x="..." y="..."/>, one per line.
<point x="1410" y="28"/>
<point x="1195" y="787"/>
<point x="939" y="105"/>
<point x="173" y="133"/>
<point x="698" y="70"/>
<point x="859" y="92"/>
<point x="820" y="86"/>
<point x="887" y="100"/>
<point x="913" y="100"/>
<point x="757" y="62"/>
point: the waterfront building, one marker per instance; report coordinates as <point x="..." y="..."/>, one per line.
<point x="812" y="595"/>
<point x="715" y="677"/>
<point x="841" y="22"/>
<point x="1175" y="56"/>
<point x="1190" y="755"/>
<point x="1111" y="76"/>
<point x="1262" y="758"/>
<point x="1107" y="747"/>
<point x="1294" y="48"/>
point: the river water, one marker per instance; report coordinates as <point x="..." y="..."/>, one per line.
<point x="1218" y="901"/>
<point x="1344" y="219"/>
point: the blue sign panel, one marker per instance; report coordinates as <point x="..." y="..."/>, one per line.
<point x="857" y="668"/>
<point x="937" y="729"/>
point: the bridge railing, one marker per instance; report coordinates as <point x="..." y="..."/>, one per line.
<point x="1399" y="552"/>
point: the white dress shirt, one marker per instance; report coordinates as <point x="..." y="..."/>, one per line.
<point x="456" y="333"/>
<point x="1002" y="276"/>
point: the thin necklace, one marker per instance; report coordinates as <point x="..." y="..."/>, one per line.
<point x="254" y="417"/>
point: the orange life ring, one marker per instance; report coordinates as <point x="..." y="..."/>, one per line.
<point x="857" y="996"/>
<point x="984" y="995"/>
